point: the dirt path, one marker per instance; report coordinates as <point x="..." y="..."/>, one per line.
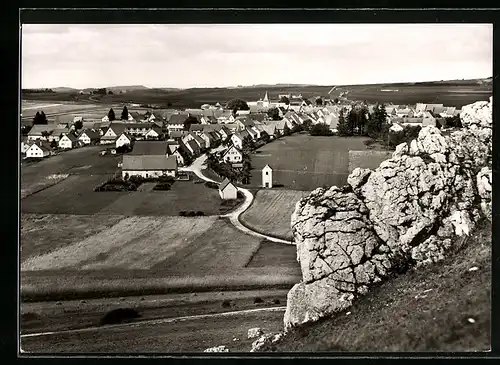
<point x="234" y="217"/>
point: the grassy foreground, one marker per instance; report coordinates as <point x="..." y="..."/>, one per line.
<point x="441" y="307"/>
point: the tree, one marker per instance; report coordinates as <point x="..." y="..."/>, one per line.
<point x="25" y="129"/>
<point x="111" y="115"/>
<point x="336" y="100"/>
<point x="247" y="146"/>
<point x="124" y="113"/>
<point x="377" y="121"/>
<point x="319" y="101"/>
<point x="286" y="130"/>
<point x="190" y="120"/>
<point x="40" y="118"/>
<point x="78" y="125"/>
<point x="284" y="99"/>
<point x="274" y="114"/>
<point x="352" y="122"/>
<point x="342" y="127"/>
<point x="307" y="124"/>
<point x="320" y="129"/>
<point x="110" y="92"/>
<point x="237" y="104"/>
<point x="265" y="137"/>
<point x="53" y="144"/>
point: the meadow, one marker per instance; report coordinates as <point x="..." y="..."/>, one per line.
<point x="303" y="162"/>
<point x="271" y="210"/>
<point x="122" y="256"/>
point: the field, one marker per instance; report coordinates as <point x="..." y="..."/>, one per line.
<point x="367" y="159"/>
<point x="271" y="210"/>
<point x="303" y="162"/>
<point x="139" y="255"/>
<point x="452" y="93"/>
<point x="79" y="161"/>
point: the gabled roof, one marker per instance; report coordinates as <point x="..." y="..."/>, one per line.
<point x="198" y="139"/>
<point x="71" y="137"/>
<point x="41" y="146"/>
<point x="118" y="128"/>
<point x="196" y="127"/>
<point x="267" y="166"/>
<point x="59" y="131"/>
<point x="157" y="129"/>
<point x="231" y="148"/>
<point x="90" y="133"/>
<point x="136" y="116"/>
<point x="413" y="120"/>
<point x="177" y="134"/>
<point x="150" y="148"/>
<point x="251" y="132"/>
<point x="225" y="183"/>
<point x="146" y="125"/>
<point x="37" y="129"/>
<point x="242" y="134"/>
<point x="194" y="146"/>
<point x="258" y="116"/>
<point x="177" y="119"/>
<point x="148" y="162"/>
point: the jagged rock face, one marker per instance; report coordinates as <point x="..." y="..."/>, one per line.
<point x="484" y="190"/>
<point x="408" y="209"/>
<point x="267" y="339"/>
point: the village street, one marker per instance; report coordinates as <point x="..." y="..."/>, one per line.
<point x="197" y="166"/>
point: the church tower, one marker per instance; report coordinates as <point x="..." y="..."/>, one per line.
<point x="266" y="101"/>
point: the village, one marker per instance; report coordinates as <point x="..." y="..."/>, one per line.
<point x="157" y="144"/>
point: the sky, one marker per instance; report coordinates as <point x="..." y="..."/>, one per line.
<point x="219" y="55"/>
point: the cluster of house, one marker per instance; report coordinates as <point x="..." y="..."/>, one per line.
<point x="420" y="114"/>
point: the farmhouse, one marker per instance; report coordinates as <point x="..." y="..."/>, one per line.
<point x="40" y="131"/>
<point x="154" y="133"/>
<point x="68" y="141"/>
<point x="176" y="122"/>
<point x="38" y="150"/>
<point x="57" y="133"/>
<point x="238" y="138"/>
<point x="138" y="129"/>
<point x="192" y="147"/>
<point x="25" y="144"/>
<point x="208" y="138"/>
<point x="232" y="155"/>
<point x="88" y="136"/>
<point x="112" y="133"/>
<point x="123" y="140"/>
<point x="149" y="166"/>
<point x="150" y="148"/>
<point x="227" y="190"/>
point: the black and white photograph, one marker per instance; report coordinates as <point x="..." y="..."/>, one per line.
<point x="255" y="188"/>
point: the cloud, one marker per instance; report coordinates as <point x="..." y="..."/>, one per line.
<point x="230" y="54"/>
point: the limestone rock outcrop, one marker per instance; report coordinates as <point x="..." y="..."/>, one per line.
<point x="264" y="340"/>
<point x="406" y="212"/>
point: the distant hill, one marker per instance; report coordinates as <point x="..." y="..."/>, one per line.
<point x="63" y="89"/>
<point x="127" y="88"/>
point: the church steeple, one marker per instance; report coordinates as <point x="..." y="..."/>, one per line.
<point x="266" y="99"/>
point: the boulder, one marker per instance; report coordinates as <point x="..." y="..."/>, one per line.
<point x="265" y="340"/>
<point x="255" y="332"/>
<point x="221" y="348"/>
<point x="407" y="211"/>
<point x="484" y="181"/>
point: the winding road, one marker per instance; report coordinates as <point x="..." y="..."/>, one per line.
<point x="234" y="217"/>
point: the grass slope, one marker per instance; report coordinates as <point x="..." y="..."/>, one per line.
<point x="426" y="309"/>
<point x="271" y="210"/>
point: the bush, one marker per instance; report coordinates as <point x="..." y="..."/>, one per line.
<point x="240" y="195"/>
<point x="191" y="214"/>
<point x="199" y="213"/>
<point x="182" y="213"/>
<point x="258" y="300"/>
<point x="163" y="186"/>
<point x="276" y="301"/>
<point x="119" y="315"/>
<point x="368" y="142"/>
<point x="166" y="179"/>
<point x="226" y="304"/>
<point x="211" y="185"/>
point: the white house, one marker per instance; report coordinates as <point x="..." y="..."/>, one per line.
<point x="37" y="151"/>
<point x="154" y="133"/>
<point x="267" y="177"/>
<point x="25" y="145"/>
<point x="123" y="140"/>
<point x="233" y="155"/>
<point x="227" y="190"/>
<point x="89" y="136"/>
<point x="149" y="166"/>
<point x="68" y="141"/>
<point x="40" y="131"/>
<point x="105" y="119"/>
<point x="178" y="156"/>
